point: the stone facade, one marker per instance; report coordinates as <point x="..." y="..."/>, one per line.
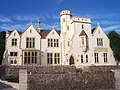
<point x="75" y="44"/>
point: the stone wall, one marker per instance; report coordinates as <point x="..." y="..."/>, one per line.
<point x="14" y="70"/>
<point x="72" y="81"/>
<point x="64" y="77"/>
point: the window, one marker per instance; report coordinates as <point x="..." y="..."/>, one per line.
<point x="67" y="27"/>
<point x="82" y="40"/>
<point x="99" y="42"/>
<point x="13" y="62"/>
<point x="30" y="42"/>
<point x="105" y="57"/>
<point x="96" y="57"/>
<point x="86" y="58"/>
<point x="82" y="26"/>
<point x="68" y="43"/>
<point x="30" y="57"/>
<point x="53" y="58"/>
<point x="14" y="42"/>
<point x="13" y="53"/>
<point x="56" y="43"/>
<point x="53" y="43"/>
<point x="81" y="58"/>
<point x="56" y="58"/>
<point x="63" y="20"/>
<point x="49" y="58"/>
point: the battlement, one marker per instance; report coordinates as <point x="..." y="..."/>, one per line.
<point x="81" y="19"/>
<point x="65" y="12"/>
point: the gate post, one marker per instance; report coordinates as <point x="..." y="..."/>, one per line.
<point x="23" y="79"/>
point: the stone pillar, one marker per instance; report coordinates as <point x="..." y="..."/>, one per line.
<point x="117" y="79"/>
<point x="23" y="79"/>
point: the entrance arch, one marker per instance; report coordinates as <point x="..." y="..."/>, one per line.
<point x="71" y="60"/>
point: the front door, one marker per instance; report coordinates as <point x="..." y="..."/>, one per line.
<point x="71" y="60"/>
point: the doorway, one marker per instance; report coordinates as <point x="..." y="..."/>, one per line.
<point x="71" y="60"/>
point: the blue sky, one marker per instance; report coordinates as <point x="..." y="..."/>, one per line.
<point x="19" y="13"/>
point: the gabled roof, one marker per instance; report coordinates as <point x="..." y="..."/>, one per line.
<point x="83" y="33"/>
<point x="93" y="30"/>
<point x="44" y="33"/>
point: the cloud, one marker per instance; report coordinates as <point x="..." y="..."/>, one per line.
<point x="9" y="27"/>
<point x="59" y="1"/>
<point x="50" y="26"/>
<point x="106" y="22"/>
<point x="25" y="18"/>
<point x="4" y="19"/>
<point x="114" y="27"/>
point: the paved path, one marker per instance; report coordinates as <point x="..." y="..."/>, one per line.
<point x="4" y="85"/>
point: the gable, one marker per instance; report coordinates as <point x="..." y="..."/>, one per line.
<point x="53" y="34"/>
<point x="98" y="32"/>
<point x="14" y="33"/>
<point x="30" y="31"/>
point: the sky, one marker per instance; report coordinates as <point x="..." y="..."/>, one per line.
<point x="17" y="14"/>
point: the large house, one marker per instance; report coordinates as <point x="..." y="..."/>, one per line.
<point x="75" y="44"/>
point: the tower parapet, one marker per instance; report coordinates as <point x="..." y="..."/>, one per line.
<point x="65" y="12"/>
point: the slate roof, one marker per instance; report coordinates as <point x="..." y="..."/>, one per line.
<point x="93" y="30"/>
<point x="82" y="33"/>
<point x="43" y="33"/>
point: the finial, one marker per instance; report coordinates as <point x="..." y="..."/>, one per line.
<point x="38" y="20"/>
<point x="30" y="23"/>
<point x="53" y="27"/>
<point x="98" y="24"/>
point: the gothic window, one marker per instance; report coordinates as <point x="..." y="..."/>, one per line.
<point x="99" y="42"/>
<point x="30" y="57"/>
<point x="96" y="57"/>
<point x="86" y="58"/>
<point x="14" y="42"/>
<point x="105" y="57"/>
<point x="30" y="42"/>
<point x="81" y="58"/>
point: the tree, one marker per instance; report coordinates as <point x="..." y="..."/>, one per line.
<point x="2" y="45"/>
<point x="115" y="44"/>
